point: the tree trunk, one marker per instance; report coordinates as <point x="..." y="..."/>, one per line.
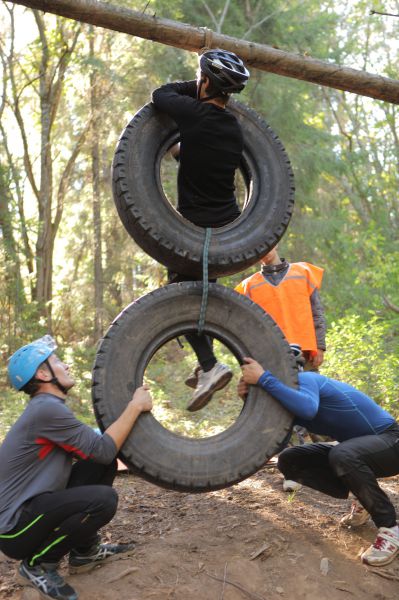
<point x="96" y="203"/>
<point x="45" y="237"/>
<point x="13" y="296"/>
<point x="192" y="38"/>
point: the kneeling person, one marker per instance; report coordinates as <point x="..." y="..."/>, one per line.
<point x="50" y="507"/>
<point x="368" y="439"/>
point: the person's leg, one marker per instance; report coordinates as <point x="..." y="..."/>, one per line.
<point x="309" y="465"/>
<point x="49" y="526"/>
<point x="201" y="344"/>
<point x="203" y="348"/>
<point x="212" y="375"/>
<point x="359" y="462"/>
<point x="53" y="523"/>
<point x="88" y="472"/>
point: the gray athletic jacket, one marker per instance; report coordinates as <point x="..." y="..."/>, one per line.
<point x="36" y="455"/>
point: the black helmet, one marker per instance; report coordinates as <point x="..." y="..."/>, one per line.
<point x="298" y="355"/>
<point x="225" y="70"/>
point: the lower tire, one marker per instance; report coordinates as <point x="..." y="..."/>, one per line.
<point x="152" y="451"/>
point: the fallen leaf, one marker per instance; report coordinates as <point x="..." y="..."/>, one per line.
<point x="259" y="551"/>
<point x="324" y="566"/>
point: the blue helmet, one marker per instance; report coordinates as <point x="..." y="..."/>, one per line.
<point x="24" y="363"/>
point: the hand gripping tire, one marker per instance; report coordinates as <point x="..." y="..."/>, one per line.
<point x="172" y="240"/>
<point x="157" y="454"/>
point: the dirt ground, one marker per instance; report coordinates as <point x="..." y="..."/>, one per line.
<point x="249" y="541"/>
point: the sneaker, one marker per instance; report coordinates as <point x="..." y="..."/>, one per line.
<point x="357" y="516"/>
<point x="291" y="486"/>
<point x="192" y="380"/>
<point x="79" y="563"/>
<point x="384" y="549"/>
<point x="47" y="581"/>
<point x="208" y="382"/>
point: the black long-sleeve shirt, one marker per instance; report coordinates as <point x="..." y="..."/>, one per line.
<point x="211" y="145"/>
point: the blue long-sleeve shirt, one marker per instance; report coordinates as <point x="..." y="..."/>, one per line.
<point x="328" y="407"/>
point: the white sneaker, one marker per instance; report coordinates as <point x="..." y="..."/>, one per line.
<point x="208" y="383"/>
<point x="384" y="549"/>
<point x="291" y="486"/>
<point x="357" y="516"/>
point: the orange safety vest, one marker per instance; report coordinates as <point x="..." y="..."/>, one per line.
<point x="288" y="303"/>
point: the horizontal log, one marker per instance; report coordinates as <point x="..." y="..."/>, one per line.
<point x="187" y="37"/>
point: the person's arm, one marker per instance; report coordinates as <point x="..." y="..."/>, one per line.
<point x="120" y="429"/>
<point x="59" y="427"/>
<point x="319" y="322"/>
<point x="178" y="100"/>
<point x="303" y="403"/>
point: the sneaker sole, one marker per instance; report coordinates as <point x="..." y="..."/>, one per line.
<point x="73" y="569"/>
<point x="203" y="400"/>
<point x="380" y="563"/>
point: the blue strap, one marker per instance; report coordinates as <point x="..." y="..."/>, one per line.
<point x="205" y="283"/>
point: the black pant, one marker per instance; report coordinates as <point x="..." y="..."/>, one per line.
<point x="53" y="523"/>
<point x="201" y="344"/>
<point x="351" y="466"/>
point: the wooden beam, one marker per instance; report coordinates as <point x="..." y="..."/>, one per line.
<point x="260" y="56"/>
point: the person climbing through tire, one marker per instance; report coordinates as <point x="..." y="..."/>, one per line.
<point x="211" y="146"/>
<point x="48" y="507"/>
<point x="368" y="448"/>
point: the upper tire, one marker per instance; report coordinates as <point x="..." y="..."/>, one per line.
<point x="172" y="240"/>
<point x="152" y="451"/>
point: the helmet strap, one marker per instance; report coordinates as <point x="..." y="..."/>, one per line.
<point x="54" y="379"/>
<point x="199" y="87"/>
<point x="212" y="97"/>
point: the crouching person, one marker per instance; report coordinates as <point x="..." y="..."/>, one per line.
<point x="368" y="448"/>
<point x="50" y="507"/>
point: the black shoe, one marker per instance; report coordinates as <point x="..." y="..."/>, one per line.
<point x="192" y="380"/>
<point x="99" y="554"/>
<point x="47" y="581"/>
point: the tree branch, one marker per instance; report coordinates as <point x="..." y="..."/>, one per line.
<point x="377" y="12"/>
<point x="192" y="38"/>
<point x="17" y="113"/>
<point x="66" y="175"/>
<point x="386" y="302"/>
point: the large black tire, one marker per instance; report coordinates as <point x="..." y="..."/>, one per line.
<point x="157" y="454"/>
<point x="172" y="240"/>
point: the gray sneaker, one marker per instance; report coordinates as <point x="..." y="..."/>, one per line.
<point x="47" y="581"/>
<point x="208" y="383"/>
<point x="79" y="563"/>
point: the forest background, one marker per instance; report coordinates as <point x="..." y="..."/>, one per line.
<point x="67" y="266"/>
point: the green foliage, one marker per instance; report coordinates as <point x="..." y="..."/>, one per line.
<point x="166" y="373"/>
<point x="343" y="148"/>
<point x="12" y="404"/>
<point x="361" y="353"/>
